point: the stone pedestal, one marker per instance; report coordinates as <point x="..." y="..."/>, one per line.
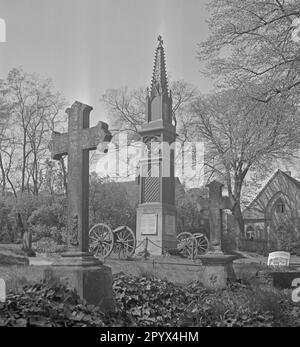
<point x="218" y="269"/>
<point x="157" y="223"/>
<point x="156" y="213"/>
<point x="87" y="275"/>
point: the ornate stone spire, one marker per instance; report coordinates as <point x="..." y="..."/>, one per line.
<point x="159" y="82"/>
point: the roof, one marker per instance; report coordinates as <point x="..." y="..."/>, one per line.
<point x="290" y="178"/>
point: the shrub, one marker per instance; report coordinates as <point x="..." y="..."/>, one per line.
<point x="49" y="215"/>
<point x="50" y="305"/>
<point x="6" y="230"/>
<point x="142" y="301"/>
<point x="267" y="299"/>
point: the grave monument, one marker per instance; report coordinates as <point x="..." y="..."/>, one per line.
<point x="91" y="279"/>
<point x="218" y="267"/>
<point x="156" y="213"/>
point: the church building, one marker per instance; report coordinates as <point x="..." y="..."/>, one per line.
<point x="272" y="220"/>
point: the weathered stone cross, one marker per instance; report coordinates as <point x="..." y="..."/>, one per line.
<point x="77" y="143"/>
<point x="215" y="204"/>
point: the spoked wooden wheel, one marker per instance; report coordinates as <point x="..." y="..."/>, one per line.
<point x="125" y="242"/>
<point x="184" y="244"/>
<point x="201" y="244"/>
<point x="101" y="240"/>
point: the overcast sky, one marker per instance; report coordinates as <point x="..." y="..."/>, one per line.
<point x="88" y="46"/>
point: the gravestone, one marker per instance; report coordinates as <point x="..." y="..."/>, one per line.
<point x="218" y="267"/>
<point x="283" y="275"/>
<point x="279" y="259"/>
<point x="2" y="290"/>
<point x="91" y="279"/>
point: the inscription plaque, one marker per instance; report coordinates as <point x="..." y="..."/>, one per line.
<point x="149" y="224"/>
<point x="170" y="221"/>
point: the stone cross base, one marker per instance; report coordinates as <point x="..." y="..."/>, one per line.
<point x="218" y="270"/>
<point x="87" y="275"/>
<point x="77" y="258"/>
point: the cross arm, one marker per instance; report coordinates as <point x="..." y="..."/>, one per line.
<point x="227" y="203"/>
<point x="58" y="146"/>
<point x="224" y="203"/>
<point x="92" y="137"/>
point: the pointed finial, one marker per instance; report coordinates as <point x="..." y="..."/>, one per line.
<point x="159" y="83"/>
<point x="160" y="40"/>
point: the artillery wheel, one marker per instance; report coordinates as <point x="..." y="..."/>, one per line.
<point x="202" y="243"/>
<point x="185" y="243"/>
<point x="101" y="240"/>
<point x="125" y="241"/>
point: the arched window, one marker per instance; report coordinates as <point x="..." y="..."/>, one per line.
<point x="250" y="233"/>
<point x="2" y="30"/>
<point x="279" y="206"/>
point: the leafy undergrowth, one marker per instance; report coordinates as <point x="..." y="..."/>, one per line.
<point x="142" y="301"/>
<point x="47" y="305"/>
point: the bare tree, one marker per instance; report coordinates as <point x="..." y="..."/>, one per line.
<point x="55" y="177"/>
<point x="4" y="121"/>
<point x="127" y="109"/>
<point x="251" y="46"/>
<point x="35" y="108"/>
<point x="242" y="134"/>
<point x="32" y="109"/>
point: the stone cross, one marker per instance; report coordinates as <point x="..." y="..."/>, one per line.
<point x="77" y="143"/>
<point x="215" y="204"/>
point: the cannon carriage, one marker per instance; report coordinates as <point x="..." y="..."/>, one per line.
<point x="103" y="241"/>
<point x="192" y="245"/>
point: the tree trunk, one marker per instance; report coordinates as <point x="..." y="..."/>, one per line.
<point x="11" y="232"/>
<point x="3" y="175"/>
<point x="64" y="172"/>
<point x="20" y="224"/>
<point x="237" y="213"/>
<point x="23" y="163"/>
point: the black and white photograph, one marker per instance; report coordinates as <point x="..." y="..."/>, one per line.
<point x="149" y="166"/>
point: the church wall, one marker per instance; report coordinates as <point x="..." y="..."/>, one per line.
<point x="274" y="216"/>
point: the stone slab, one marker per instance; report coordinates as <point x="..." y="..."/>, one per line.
<point x="218" y="270"/>
<point x="93" y="284"/>
<point x="217" y="276"/>
<point x="213" y="258"/>
<point x="284" y="279"/>
<point x="8" y="257"/>
<point x="39" y="261"/>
